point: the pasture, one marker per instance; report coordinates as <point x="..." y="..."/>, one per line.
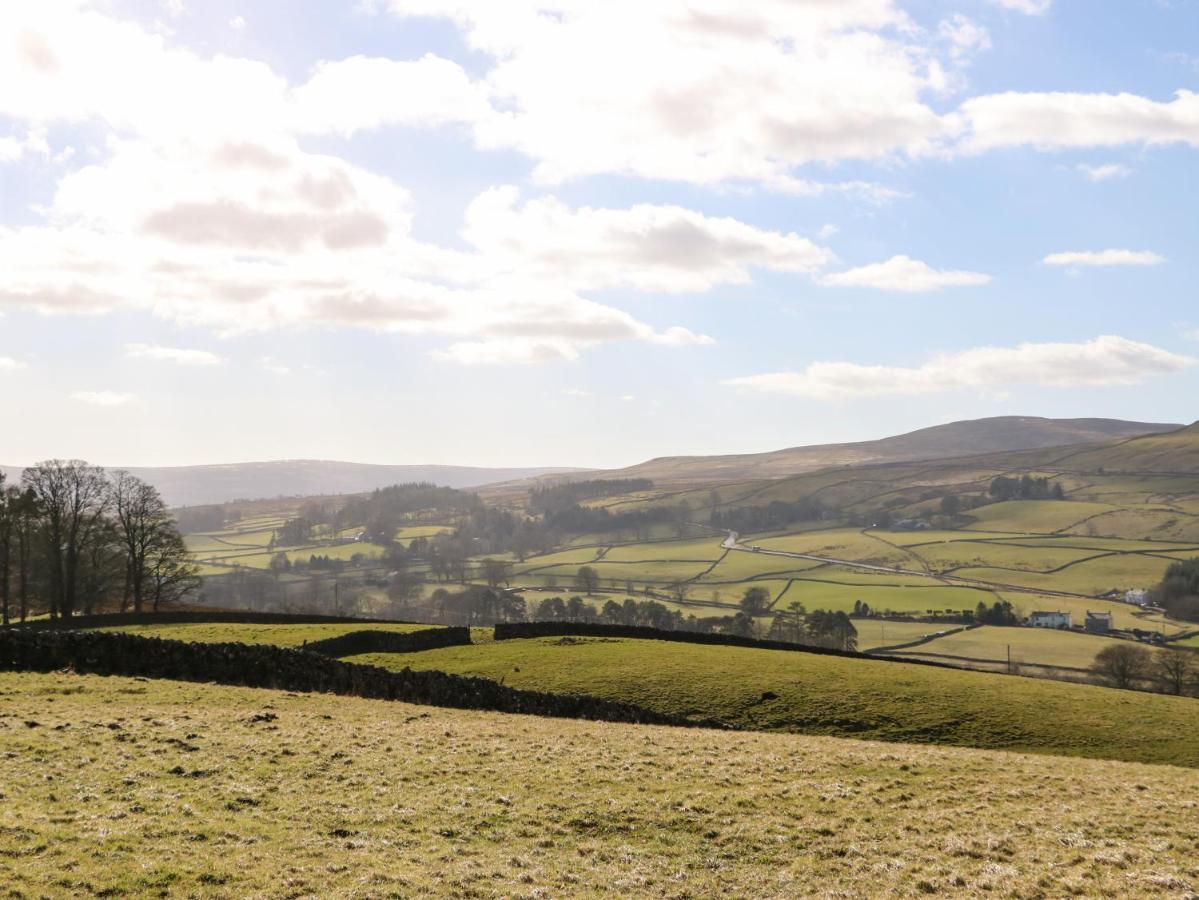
<point x="193" y="790"/>
<point x="776" y="690"/>
<point x="1032" y="646"/>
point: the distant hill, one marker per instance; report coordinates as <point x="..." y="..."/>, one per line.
<point x="1001" y="434"/>
<point x="1175" y="451"/>
<point x="199" y="485"/>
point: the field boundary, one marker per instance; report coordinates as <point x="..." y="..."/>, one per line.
<point x="181" y="617"/>
<point x="276" y="668"/>
<point x="506" y="631"/>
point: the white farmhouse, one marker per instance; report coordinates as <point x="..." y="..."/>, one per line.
<point x="1050" y="620"/>
<point x="1138" y="597"/>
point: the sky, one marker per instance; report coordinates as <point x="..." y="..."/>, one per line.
<point x="560" y="232"/>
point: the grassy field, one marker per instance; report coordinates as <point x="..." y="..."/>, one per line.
<point x="282" y="635"/>
<point x="1035" y="646"/>
<point x="184" y="794"/>
<point x="829" y="695"/>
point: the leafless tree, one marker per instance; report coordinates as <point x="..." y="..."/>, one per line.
<point x="172" y="576"/>
<point x="143" y="521"/>
<point x="71" y="501"/>
<point x="1175" y="669"/>
<point x="1122" y="664"/>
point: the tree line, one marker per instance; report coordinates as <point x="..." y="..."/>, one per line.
<point x="1027" y="487"/>
<point x="76" y="539"/>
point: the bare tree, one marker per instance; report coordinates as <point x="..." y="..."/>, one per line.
<point x="1122" y="664"/>
<point x="6" y="533"/>
<point x="1175" y="669"/>
<point x="71" y="501"/>
<point x="143" y="520"/>
<point x="171" y="573"/>
<point x="495" y="571"/>
<point x="587" y="580"/>
<point x="22" y="508"/>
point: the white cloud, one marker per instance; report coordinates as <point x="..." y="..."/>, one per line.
<point x="174" y="8"/>
<point x="677" y="336"/>
<point x="268" y="364"/>
<point x="1105" y="361"/>
<point x="964" y="36"/>
<point x="628" y="398"/>
<point x="1028" y="7"/>
<point x="237" y="23"/>
<point x="704" y="92"/>
<point x="182" y="356"/>
<point x="1104" y="172"/>
<point x="10" y="149"/>
<point x="7" y="363"/>
<point x="902" y="273"/>
<point x="827" y="231"/>
<point x="103" y="398"/>
<point x="1105" y="258"/>
<point x="655" y="248"/>
<point x="1063" y="120"/>
<point x="361" y="93"/>
<point x="575" y="392"/>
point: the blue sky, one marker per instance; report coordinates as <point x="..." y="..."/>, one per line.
<point x="555" y="232"/>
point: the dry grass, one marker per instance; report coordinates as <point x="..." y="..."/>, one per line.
<point x="136" y="788"/>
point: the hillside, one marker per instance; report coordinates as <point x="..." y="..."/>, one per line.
<point x="777" y="690"/>
<point x="1173" y="452"/>
<point x="209" y="791"/>
<point x="200" y="485"/>
<point x="1007" y="433"/>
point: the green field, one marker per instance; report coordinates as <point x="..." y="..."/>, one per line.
<point x="183" y="794"/>
<point x="830" y="695"/>
<point x="282" y="635"/>
<point x="1034" y="646"/>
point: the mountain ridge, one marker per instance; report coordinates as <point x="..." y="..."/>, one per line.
<point x="223" y="482"/>
<point x="950" y="440"/>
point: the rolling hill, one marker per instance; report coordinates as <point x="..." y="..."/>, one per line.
<point x="201" y="485"/>
<point x="956" y="439"/>
<point x="1172" y="452"/>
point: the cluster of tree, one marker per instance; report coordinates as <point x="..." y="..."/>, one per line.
<point x="561" y="496"/>
<point x="1178" y="592"/>
<point x="1128" y="665"/>
<point x="75" y="539"/>
<point x="998" y="613"/>
<point x="476" y="605"/>
<point x="193" y="519"/>
<point x="776" y="514"/>
<point x="1027" y="487"/>
<point x="383" y="511"/>
<point x="575" y="519"/>
<point x="820" y="627"/>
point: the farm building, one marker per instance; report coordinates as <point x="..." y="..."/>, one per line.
<point x="1137" y="597"/>
<point x="1099" y="622"/>
<point x="910" y="525"/>
<point x="1046" y="619"/>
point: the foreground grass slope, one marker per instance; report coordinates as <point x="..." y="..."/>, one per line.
<point x="124" y="787"/>
<point x="784" y="691"/>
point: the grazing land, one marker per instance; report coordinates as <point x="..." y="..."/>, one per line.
<point x="202" y="790"/>
<point x="778" y="690"/>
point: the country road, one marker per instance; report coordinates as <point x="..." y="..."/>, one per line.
<point x="731" y="543"/>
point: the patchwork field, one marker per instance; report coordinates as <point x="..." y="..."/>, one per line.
<point x="778" y="690"/>
<point x="185" y="794"/>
